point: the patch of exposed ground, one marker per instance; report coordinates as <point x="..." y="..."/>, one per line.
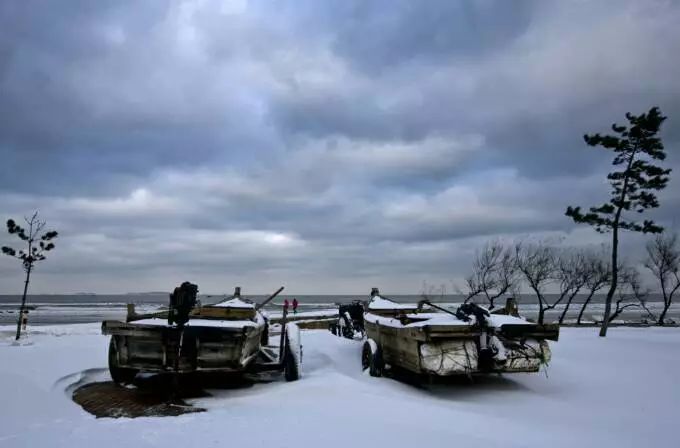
<point x="107" y="399"/>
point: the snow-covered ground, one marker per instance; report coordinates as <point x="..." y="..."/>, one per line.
<point x="621" y="391"/>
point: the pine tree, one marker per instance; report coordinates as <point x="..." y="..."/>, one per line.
<point x="634" y="182"/>
<point x="36" y="247"/>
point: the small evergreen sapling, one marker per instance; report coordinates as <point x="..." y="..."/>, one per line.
<point x="37" y="245"/>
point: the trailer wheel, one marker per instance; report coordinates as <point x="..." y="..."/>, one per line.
<point x="292" y="355"/>
<point x="371" y="358"/>
<point x="119" y="375"/>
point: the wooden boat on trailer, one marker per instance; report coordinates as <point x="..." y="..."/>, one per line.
<point x="428" y="339"/>
<point x="228" y="336"/>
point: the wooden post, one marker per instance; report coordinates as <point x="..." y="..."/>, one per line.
<point x="131" y="313"/>
<point x="270" y="298"/>
<point x="283" y="334"/>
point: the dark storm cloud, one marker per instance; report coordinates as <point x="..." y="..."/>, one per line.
<point x="98" y="95"/>
<point x="381" y="35"/>
<point x="571" y="69"/>
<point x="315" y="143"/>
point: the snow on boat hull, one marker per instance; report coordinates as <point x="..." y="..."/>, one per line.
<point x="445" y="343"/>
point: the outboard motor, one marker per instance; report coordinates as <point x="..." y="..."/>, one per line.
<point x="356" y="312"/>
<point x="486" y="353"/>
<point x="352" y="315"/>
<point x="182" y="301"/>
<point x="465" y="310"/>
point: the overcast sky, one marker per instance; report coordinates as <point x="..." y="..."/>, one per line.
<point x="326" y="146"/>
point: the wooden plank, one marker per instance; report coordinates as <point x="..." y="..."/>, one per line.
<point x="116" y="328"/>
<point x="550" y="332"/>
<point x="227" y="313"/>
<point x="204" y="312"/>
<point x="399" y="346"/>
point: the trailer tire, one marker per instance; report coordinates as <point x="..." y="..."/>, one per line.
<point x="119" y="375"/>
<point x="371" y="358"/>
<point x="292" y="358"/>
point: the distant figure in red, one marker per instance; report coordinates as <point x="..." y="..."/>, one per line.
<point x="285" y="306"/>
<point x="295" y="305"/>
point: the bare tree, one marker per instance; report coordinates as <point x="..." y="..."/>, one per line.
<point x="598" y="276"/>
<point x="494" y="273"/>
<point x="630" y="293"/>
<point x="535" y="263"/>
<point x="36" y="247"/>
<point x="663" y="260"/>
<point x="472" y="288"/>
<point x="571" y="275"/>
<point x="430" y="292"/>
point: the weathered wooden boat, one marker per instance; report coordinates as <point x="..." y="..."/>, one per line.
<point x="430" y="340"/>
<point x="229" y="336"/>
